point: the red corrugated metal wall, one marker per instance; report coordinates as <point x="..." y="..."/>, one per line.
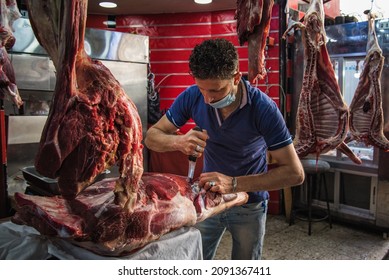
<point x="173" y="36"/>
<point x="331" y="7"/>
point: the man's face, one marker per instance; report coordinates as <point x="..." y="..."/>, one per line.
<point x="214" y="90"/>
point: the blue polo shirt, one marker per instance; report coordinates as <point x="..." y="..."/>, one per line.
<point x="236" y="146"/>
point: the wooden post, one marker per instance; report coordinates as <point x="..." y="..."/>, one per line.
<point x="288" y="203"/>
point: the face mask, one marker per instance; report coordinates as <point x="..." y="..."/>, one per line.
<point x="224" y="102"/>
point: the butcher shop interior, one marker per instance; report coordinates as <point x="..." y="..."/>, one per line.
<point x="82" y="84"/>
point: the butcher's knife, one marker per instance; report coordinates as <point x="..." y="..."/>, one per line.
<point x="192" y="161"/>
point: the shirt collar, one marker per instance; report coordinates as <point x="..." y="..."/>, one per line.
<point x="244" y="95"/>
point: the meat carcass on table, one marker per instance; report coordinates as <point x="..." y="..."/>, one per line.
<point x="9" y="12"/>
<point x="366" y="114"/>
<point x="253" y="26"/>
<point x="93" y="221"/>
<point x="322" y="115"/>
<point x="92" y="123"/>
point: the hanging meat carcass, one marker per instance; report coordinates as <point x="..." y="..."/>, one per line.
<point x="92" y="123"/>
<point x="322" y="115"/>
<point x="253" y="26"/>
<point x="93" y="221"/>
<point x="366" y="114"/>
<point x="9" y="12"/>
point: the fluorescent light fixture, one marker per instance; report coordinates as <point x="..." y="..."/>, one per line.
<point x="109" y="5"/>
<point x="203" y="1"/>
<point x="109" y="22"/>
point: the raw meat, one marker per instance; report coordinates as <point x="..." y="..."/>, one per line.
<point x="248" y="15"/>
<point x="92" y="123"/>
<point x="92" y="220"/>
<point x="253" y="25"/>
<point x="322" y="115"/>
<point x="366" y="114"/>
<point x="8" y="14"/>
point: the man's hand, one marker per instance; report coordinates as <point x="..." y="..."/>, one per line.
<point x="216" y="182"/>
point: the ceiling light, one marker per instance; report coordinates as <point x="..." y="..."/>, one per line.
<point x="108" y="4"/>
<point x="203" y="1"/>
<point x="109" y="22"/>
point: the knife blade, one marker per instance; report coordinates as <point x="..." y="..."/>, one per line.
<point x="192" y="161"/>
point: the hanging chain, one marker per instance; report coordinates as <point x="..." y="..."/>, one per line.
<point x="152" y="93"/>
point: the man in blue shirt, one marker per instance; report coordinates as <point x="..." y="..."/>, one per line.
<point x="240" y="125"/>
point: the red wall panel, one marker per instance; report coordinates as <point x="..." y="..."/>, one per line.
<point x="168" y="55"/>
<point x="331" y="7"/>
<point x="174" y="79"/>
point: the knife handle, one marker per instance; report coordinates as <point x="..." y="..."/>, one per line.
<point x="192" y="158"/>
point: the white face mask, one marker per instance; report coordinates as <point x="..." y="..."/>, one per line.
<point x="222" y="103"/>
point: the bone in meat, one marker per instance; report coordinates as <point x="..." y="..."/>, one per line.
<point x="366" y="114"/>
<point x="92" y="123"/>
<point x="8" y="14"/>
<point x="253" y="25"/>
<point x="322" y="115"/>
<point x="166" y="202"/>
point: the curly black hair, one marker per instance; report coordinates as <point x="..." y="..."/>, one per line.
<point x="214" y="59"/>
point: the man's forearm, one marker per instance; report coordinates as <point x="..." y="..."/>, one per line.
<point x="274" y="179"/>
<point x="160" y="141"/>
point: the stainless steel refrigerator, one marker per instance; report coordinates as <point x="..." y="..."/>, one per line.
<point x="126" y="55"/>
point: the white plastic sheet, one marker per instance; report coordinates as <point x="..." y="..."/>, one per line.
<point x="18" y="242"/>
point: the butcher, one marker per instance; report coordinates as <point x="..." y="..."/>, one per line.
<point x="240" y="126"/>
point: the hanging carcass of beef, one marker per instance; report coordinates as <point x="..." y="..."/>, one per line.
<point x="366" y="114"/>
<point x="322" y="115"/>
<point x="9" y="12"/>
<point x="92" y="124"/>
<point x="253" y="26"/>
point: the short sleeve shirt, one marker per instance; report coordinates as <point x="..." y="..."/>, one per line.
<point x="237" y="145"/>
